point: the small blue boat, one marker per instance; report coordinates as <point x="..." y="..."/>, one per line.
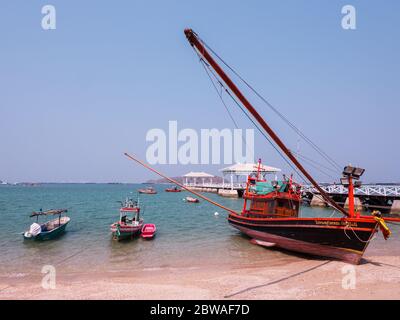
<point x="50" y="229"/>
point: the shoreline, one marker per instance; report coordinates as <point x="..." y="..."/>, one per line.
<point x="378" y="277"/>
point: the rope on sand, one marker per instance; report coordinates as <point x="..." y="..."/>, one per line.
<point x="277" y="281"/>
<point x="69" y="257"/>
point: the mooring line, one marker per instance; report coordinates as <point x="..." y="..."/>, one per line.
<point x="381" y="264"/>
<point x="70" y="257"/>
<point x="277" y="281"/>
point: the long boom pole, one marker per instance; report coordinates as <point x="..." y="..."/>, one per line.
<point x="178" y="183"/>
<point x="195" y="42"/>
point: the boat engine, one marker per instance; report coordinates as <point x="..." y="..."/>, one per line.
<point x="35" y="229"/>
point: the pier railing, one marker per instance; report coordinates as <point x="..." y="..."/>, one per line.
<point x="226" y="185"/>
<point x="366" y="190"/>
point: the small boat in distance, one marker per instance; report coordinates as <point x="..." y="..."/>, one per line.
<point x="192" y="200"/>
<point x="173" y="189"/>
<point x="149" y="231"/>
<point x="48" y="230"/>
<point x="148" y="190"/>
<point x="129" y="224"/>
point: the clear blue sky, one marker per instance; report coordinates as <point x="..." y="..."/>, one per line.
<point x="72" y="100"/>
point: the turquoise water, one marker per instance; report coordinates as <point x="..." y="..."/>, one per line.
<point x="189" y="235"/>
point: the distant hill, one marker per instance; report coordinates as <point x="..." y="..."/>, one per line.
<point x="183" y="180"/>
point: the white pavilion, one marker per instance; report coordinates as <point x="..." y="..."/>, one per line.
<point x="192" y="177"/>
<point x="246" y="169"/>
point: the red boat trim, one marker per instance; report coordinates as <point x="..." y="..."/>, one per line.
<point x="306" y="219"/>
<point x="301" y="226"/>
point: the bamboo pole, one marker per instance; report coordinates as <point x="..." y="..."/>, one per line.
<point x="179" y="184"/>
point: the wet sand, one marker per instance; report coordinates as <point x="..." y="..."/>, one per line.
<point x="378" y="277"/>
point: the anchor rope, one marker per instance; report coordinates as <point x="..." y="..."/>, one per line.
<point x="347" y="226"/>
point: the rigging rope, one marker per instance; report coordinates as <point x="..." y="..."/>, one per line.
<point x="311" y="163"/>
<point x="286" y="120"/>
<point x="207" y="66"/>
<point x="253" y="122"/>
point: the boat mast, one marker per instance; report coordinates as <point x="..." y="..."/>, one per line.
<point x="258" y="169"/>
<point x="196" y="43"/>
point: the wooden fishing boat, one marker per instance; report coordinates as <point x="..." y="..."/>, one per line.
<point x="50" y="229"/>
<point x="130" y="223"/>
<point x="149" y="231"/>
<point x="173" y="189"/>
<point x="273" y="217"/>
<point x="192" y="200"/>
<point x="148" y="190"/>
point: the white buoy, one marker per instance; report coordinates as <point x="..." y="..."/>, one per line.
<point x="216" y="213"/>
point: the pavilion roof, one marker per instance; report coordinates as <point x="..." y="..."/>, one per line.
<point x="247" y="168"/>
<point x="198" y="175"/>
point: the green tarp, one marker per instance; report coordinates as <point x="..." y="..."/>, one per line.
<point x="266" y="187"/>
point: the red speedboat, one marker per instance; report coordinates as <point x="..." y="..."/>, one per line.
<point x="174" y="189"/>
<point x="192" y="200"/>
<point x="149" y="231"/>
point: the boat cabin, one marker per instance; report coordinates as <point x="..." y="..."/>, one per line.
<point x="275" y="199"/>
<point x="129" y="212"/>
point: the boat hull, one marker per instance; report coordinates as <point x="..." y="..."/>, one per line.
<point x="148" y="231"/>
<point x="337" y="238"/>
<point x="147" y="191"/>
<point x="48" y="235"/>
<point x="125" y="232"/>
<point x="192" y="200"/>
<point x="173" y="190"/>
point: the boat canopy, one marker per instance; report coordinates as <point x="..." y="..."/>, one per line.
<point x="263" y="188"/>
<point x="48" y="212"/>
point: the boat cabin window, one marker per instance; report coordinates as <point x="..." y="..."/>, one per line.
<point x="280" y="207"/>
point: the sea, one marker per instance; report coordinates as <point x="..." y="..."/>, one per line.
<point x="189" y="235"/>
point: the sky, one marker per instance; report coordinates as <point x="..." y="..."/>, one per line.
<point x="74" y="99"/>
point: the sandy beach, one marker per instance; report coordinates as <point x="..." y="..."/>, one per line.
<point x="376" y="278"/>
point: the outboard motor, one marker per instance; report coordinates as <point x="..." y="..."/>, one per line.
<point x="34" y="229"/>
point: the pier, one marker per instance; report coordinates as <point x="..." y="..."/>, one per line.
<point x="383" y="197"/>
<point x="234" y="190"/>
